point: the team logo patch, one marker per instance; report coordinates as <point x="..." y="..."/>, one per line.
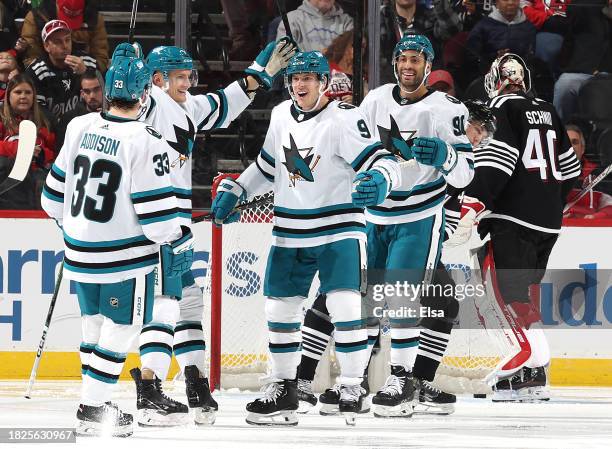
<point x="114" y="302"/>
<point x="298" y="166"/>
<point x="153" y="132"/>
<point x="452" y="99"/>
<point x="395" y="140"/>
<point x="67" y="84"/>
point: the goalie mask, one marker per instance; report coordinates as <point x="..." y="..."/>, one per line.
<point x="308" y="62"/>
<point x="507" y="70"/>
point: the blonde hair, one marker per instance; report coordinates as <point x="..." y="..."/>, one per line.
<point x="9" y="118"/>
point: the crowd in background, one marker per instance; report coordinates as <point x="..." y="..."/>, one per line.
<point x="53" y="55"/>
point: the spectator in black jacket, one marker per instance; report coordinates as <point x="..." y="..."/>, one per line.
<point x="505" y="30"/>
<point x="57" y="74"/>
<point x="589" y="44"/>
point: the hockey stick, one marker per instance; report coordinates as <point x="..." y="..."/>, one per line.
<point x="25" y="151"/>
<point x="43" y="339"/>
<point x="133" y="21"/>
<point x="590" y="186"/>
<point x="263" y="200"/>
<point x="283" y="13"/>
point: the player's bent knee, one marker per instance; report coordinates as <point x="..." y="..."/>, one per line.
<point x="344" y="305"/>
<point x="284" y="310"/>
<point x="166" y="310"/>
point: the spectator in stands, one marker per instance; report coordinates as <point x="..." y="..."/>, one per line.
<point x="92" y="100"/>
<point x="20" y="105"/>
<point x="550" y="19"/>
<point x="590" y="43"/>
<point x="578" y="141"/>
<point x="57" y="74"/>
<point x="12" y="13"/>
<point x="245" y="45"/>
<point x="339" y="54"/>
<point x="505" y="30"/>
<point x="471" y="12"/>
<point x="443" y="81"/>
<point x="8" y="69"/>
<point x="83" y="19"/>
<point x="316" y="23"/>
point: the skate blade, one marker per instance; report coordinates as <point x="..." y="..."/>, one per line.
<point x="282" y="418"/>
<point x="428" y="408"/>
<point x="404" y="410"/>
<point x="152" y="418"/>
<point x="532" y="394"/>
<point x="329" y="409"/>
<point x="204" y="416"/>
<point x="91" y="429"/>
<point x="305" y="407"/>
<point x="350" y="418"/>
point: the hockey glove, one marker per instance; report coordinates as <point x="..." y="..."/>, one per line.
<point x="177" y="257"/>
<point x="435" y="152"/>
<point x="369" y="188"/>
<point x="271" y="61"/>
<point x="127" y="50"/>
<point x="472" y="210"/>
<point x="228" y="195"/>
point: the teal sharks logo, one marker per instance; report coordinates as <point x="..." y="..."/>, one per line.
<point x="393" y="140"/>
<point x="297" y="165"/>
<point x="185" y="139"/>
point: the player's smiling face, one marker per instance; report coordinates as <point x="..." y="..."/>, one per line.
<point x="179" y="83"/>
<point x="305" y="88"/>
<point x="410" y="66"/>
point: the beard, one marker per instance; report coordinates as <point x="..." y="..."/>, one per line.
<point x="413" y="84"/>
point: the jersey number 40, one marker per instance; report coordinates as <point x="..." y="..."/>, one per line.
<point x="534" y="157"/>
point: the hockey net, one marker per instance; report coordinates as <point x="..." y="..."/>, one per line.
<point x="238" y="329"/>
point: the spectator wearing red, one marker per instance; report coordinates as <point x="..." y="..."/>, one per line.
<point x="340" y="57"/>
<point x="443" y="81"/>
<point x="550" y="19"/>
<point x="83" y="19"/>
<point x="20" y="104"/>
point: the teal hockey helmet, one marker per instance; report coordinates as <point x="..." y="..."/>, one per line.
<point x="127" y="79"/>
<point x="416" y="42"/>
<point x="166" y="58"/>
<point x="308" y="62"/>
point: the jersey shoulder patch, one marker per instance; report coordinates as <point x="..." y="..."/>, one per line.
<point x="452" y="99"/>
<point x="343" y="105"/>
<point x="153" y="132"/>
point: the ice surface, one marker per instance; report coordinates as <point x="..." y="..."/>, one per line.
<point x="574" y="418"/>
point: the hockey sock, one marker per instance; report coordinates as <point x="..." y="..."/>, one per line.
<point x="404" y="342"/>
<point x="432" y="345"/>
<point x="91" y="326"/>
<point x="189" y="345"/>
<point x="284" y="316"/>
<point x="316" y="333"/>
<point x="156" y="341"/>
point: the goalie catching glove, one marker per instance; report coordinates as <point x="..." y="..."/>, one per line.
<point x="177" y="256"/>
<point x="472" y="210"/>
<point x="228" y="195"/>
<point x="370" y="188"/>
<point x="270" y="62"/>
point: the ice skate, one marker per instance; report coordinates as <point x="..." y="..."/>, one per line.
<point x="353" y="401"/>
<point x="306" y="397"/>
<point x="105" y="420"/>
<point x="397" y="396"/>
<point x="277" y="407"/>
<point x="432" y="400"/>
<point x="199" y="397"/>
<point x="155" y="409"/>
<point x="527" y="385"/>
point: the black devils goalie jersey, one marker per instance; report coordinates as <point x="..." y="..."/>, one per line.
<point x="525" y="173"/>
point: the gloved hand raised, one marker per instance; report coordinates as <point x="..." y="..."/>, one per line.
<point x="272" y="60"/>
<point x="228" y="195"/>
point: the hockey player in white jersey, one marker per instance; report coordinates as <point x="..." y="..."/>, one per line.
<point x="312" y="151"/>
<point x="108" y="194"/>
<point x="177" y="317"/>
<point x="405" y="233"/>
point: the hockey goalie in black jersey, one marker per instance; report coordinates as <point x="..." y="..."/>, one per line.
<point x="523" y="176"/>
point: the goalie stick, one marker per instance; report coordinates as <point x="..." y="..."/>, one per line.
<point x="43" y="339"/>
<point x="590" y="186"/>
<point x="25" y="151"/>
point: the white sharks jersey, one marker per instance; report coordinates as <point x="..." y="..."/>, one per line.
<point x="179" y="123"/>
<point x="114" y="202"/>
<point x="310" y="161"/>
<point x="423" y="187"/>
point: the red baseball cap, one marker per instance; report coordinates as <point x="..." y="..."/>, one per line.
<point x="440" y="76"/>
<point x="52" y="26"/>
<point x="71" y="12"/>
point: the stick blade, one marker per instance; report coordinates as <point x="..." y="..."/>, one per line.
<point x="25" y="151"/>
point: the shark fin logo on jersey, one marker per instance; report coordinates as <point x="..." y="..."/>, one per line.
<point x="393" y="139"/>
<point x="185" y="139"/>
<point x="298" y="166"/>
